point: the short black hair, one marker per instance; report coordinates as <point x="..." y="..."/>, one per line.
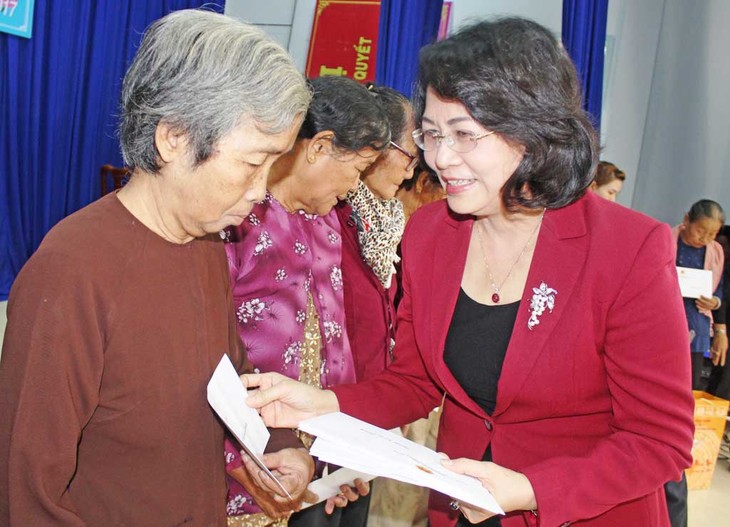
<point x="515" y="79"/>
<point x="344" y="107"/>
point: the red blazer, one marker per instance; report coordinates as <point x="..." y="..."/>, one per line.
<point x="594" y="403"/>
<point x="369" y="307"/>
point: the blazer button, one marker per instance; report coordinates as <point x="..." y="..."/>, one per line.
<point x="488" y="424"/>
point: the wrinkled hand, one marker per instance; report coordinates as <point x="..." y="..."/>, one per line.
<point x="718" y="351"/>
<point x="346" y="495"/>
<point x="704" y="302"/>
<point x="272" y="508"/>
<point x="293" y="467"/>
<point x="512" y="490"/>
<point x="284" y="402"/>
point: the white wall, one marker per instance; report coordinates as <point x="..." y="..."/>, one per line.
<point x="274" y="16"/>
<point x="301" y="32"/>
<point x="685" y="153"/>
<point x="287" y="21"/>
<point x="549" y="13"/>
<point x="632" y="37"/>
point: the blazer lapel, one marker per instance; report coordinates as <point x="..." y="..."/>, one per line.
<point x="560" y="254"/>
<point x="447" y="270"/>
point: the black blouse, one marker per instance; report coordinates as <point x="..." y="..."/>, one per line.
<point x="476" y="345"/>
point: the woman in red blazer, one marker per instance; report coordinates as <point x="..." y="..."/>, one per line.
<point x="372" y="222"/>
<point x="547" y="320"/>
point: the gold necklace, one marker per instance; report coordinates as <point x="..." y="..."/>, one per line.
<point x="495" y="295"/>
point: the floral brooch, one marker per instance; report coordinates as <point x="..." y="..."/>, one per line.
<point x="543" y="297"/>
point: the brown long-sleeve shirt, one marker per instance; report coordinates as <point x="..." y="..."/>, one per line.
<point x="113" y="334"/>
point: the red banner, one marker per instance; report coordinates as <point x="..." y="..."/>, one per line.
<point x="344" y="39"/>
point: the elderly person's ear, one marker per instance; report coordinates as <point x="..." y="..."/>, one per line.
<point x="320" y="144"/>
<point x="170" y="142"/>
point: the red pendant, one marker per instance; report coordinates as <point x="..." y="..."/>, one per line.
<point x="495" y="298"/>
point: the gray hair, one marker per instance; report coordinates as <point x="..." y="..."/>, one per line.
<point x="203" y="74"/>
<point x="706" y="208"/>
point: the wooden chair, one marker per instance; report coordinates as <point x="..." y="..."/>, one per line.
<point x="119" y="178"/>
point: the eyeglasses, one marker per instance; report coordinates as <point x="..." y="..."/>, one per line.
<point x="414" y="159"/>
<point x="464" y="142"/>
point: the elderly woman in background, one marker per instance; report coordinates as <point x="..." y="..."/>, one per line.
<point x="118" y="320"/>
<point x="422" y="189"/>
<point x="609" y="181"/>
<point x="548" y="320"/>
<point x="285" y="259"/>
<point x="697" y="249"/>
<point x="372" y="223"/>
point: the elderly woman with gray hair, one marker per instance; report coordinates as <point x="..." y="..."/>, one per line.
<point x="117" y="322"/>
<point x="287" y="274"/>
<point x="697" y="249"/>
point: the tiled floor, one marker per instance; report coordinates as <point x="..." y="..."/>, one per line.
<point x="711" y="507"/>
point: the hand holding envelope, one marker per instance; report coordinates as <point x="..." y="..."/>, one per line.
<point x="338" y="488"/>
<point x="512" y="490"/>
<point x="349" y="442"/>
<point x="227" y="396"/>
<point x="273" y="505"/>
<point x="694" y="283"/>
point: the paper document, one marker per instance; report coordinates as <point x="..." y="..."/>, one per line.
<point x="694" y="283"/>
<point x="227" y="396"/>
<point x="329" y="484"/>
<point x="349" y="442"/>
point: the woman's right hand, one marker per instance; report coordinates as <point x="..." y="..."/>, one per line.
<point x="284" y="402"/>
<point x="512" y="490"/>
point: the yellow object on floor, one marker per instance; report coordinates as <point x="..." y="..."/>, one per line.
<point x="710" y="418"/>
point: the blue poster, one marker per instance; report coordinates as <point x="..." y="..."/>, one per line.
<point x="16" y="17"/>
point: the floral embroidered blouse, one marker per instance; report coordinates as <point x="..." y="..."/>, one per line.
<point x="275" y="259"/>
<point x="278" y="261"/>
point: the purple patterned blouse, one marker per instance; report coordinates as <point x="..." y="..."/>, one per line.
<point x="276" y="258"/>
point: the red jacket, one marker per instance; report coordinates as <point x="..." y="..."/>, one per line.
<point x="594" y="403"/>
<point x="369" y="311"/>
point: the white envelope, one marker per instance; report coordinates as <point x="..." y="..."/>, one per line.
<point x="227" y="396"/>
<point x="349" y="442"/>
<point x="694" y="283"/>
<point x="341" y="455"/>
